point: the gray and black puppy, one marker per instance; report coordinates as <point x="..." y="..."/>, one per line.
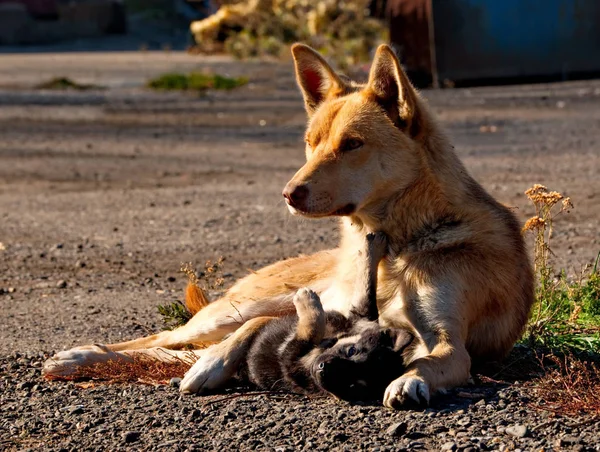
<point x="351" y="357"/>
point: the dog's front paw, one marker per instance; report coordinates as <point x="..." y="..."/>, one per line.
<point x="406" y="389"/>
<point x="68" y="362"/>
<point x="209" y="372"/>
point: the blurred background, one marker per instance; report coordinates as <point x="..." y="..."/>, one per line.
<point x="441" y="42"/>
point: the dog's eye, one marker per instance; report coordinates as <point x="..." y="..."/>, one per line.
<point x="351" y="351"/>
<point x="351" y="144"/>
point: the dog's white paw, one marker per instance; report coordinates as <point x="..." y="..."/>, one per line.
<point x="406" y="389"/>
<point x="69" y="361"/>
<point x="209" y="372"/>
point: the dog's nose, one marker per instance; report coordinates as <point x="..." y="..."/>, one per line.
<point x="295" y="195"/>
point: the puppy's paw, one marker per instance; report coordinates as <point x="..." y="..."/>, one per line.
<point x="209" y="372"/>
<point x="68" y="362"/>
<point x="307" y="303"/>
<point x="406" y="390"/>
<point x="377" y="243"/>
<point x="311" y="316"/>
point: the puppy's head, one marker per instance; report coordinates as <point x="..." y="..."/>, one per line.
<point x="361" y="365"/>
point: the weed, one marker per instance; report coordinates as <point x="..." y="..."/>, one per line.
<point x="174" y="314"/>
<point x="177" y="314"/>
<point x="195" y="81"/>
<point x="569" y="386"/>
<point x="566" y="314"/>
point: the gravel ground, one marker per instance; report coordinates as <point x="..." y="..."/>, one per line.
<point x="104" y="193"/>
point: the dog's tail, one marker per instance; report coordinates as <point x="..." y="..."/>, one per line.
<point x="195" y="298"/>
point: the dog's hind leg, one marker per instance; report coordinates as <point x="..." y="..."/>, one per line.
<point x="66" y="363"/>
<point x="267" y="292"/>
<point x="220" y="362"/>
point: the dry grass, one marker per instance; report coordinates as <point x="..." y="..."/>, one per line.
<point x="569" y="386"/>
<point x="141" y="369"/>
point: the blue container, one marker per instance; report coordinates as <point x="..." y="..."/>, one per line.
<point x="490" y="39"/>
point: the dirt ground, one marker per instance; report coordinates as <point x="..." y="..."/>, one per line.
<point x="104" y="193"/>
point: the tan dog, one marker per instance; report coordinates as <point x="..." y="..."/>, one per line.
<point x="457" y="273"/>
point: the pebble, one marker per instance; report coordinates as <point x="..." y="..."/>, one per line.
<point x="517" y="430"/>
<point x="131" y="437"/>
<point x="175" y="382"/>
<point x="397" y="429"/>
<point x="449" y="446"/>
<point x="61" y="284"/>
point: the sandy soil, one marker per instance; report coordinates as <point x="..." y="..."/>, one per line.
<point x="107" y="191"/>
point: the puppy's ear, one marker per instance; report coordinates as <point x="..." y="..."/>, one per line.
<point x="316" y="79"/>
<point x="398" y="338"/>
<point x="392" y="89"/>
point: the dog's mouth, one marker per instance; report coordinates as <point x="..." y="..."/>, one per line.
<point x="348" y="209"/>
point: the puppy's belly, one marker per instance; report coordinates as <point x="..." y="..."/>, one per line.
<point x="263" y="367"/>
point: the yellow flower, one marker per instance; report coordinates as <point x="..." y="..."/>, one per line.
<point x="534" y="223"/>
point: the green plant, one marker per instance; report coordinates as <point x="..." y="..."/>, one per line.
<point x="566" y="314"/>
<point x="195" y="81"/>
<point x="174" y="314"/>
<point x="177" y="314"/>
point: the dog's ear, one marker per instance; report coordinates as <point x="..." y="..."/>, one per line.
<point x="392" y="89"/>
<point x="317" y="80"/>
<point x="398" y="338"/>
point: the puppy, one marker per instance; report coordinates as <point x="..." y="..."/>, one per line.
<point x="352" y="357"/>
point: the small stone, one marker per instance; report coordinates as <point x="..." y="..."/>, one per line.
<point x="62" y="284"/>
<point x="465" y="421"/>
<point x="449" y="446"/>
<point x="568" y="440"/>
<point x="131" y="437"/>
<point x="11" y="290"/>
<point x="518" y="430"/>
<point x="80" y="264"/>
<point x="397" y="429"/>
<point x="175" y="382"/>
<point x="78" y="409"/>
<point x="340" y="437"/>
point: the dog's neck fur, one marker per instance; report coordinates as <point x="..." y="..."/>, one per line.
<point x="427" y="200"/>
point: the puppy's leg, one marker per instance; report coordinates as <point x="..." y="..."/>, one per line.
<point x="310" y="331"/>
<point x="220" y="362"/>
<point x="311" y="317"/>
<point x="364" y="299"/>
